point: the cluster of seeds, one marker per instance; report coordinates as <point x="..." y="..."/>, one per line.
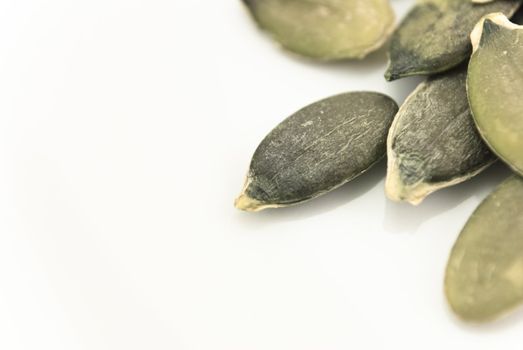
<point x="464" y="117"/>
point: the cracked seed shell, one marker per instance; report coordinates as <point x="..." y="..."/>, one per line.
<point x="318" y="149"/>
<point x="433" y="142"/>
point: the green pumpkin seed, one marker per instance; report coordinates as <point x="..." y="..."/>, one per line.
<point x="433" y="142"/>
<point x="434" y="36"/>
<point x="326" y="29"/>
<point x="484" y="277"/>
<point x="317" y="149"/>
<point x="495" y="87"/>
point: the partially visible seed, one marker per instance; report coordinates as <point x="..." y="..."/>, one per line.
<point x="326" y="29"/>
<point x="484" y="277"/>
<point x="317" y="149"/>
<point x="495" y="87"/>
<point x="433" y="142"/>
<point x="434" y="36"/>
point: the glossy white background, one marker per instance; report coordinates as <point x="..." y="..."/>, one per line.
<point x="126" y="127"/>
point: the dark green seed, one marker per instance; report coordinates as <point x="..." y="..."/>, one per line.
<point x="317" y="149"/>
<point x="434" y="36"/>
<point x="433" y="142"/>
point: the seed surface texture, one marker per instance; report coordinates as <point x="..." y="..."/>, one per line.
<point x="434" y="36"/>
<point x="326" y="29"/>
<point x="433" y="142"/>
<point x="495" y="87"/>
<point x="317" y="149"/>
<point x="484" y="277"/>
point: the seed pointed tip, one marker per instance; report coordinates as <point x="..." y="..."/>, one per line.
<point x="388" y="75"/>
<point x="391" y="74"/>
<point x="246" y="203"/>
<point x="396" y="196"/>
<point x="489" y="24"/>
<point x="397" y="191"/>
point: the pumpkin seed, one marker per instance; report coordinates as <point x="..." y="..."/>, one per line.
<point x="433" y="37"/>
<point x="326" y="29"/>
<point x="317" y="149"/>
<point x="433" y="142"/>
<point x="484" y="277"/>
<point x="495" y="85"/>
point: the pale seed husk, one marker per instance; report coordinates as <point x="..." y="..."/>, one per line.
<point x="434" y="36"/>
<point x="495" y="87"/>
<point x="484" y="276"/>
<point x="326" y="29"/>
<point x="433" y="142"/>
<point x="318" y="149"/>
